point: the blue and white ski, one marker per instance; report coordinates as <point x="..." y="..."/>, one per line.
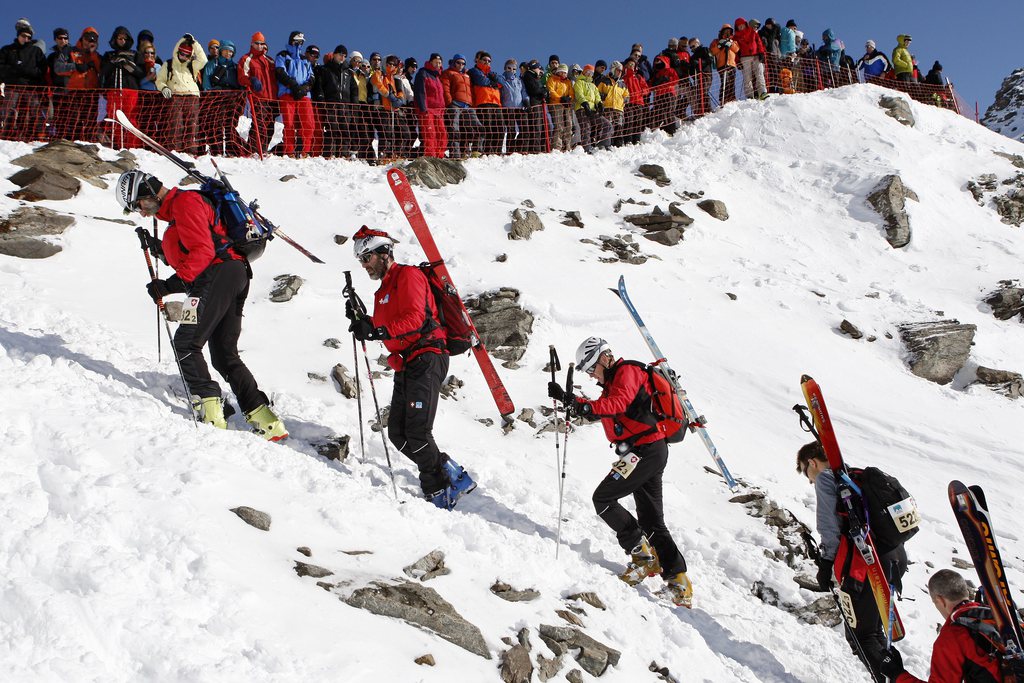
<point x="695" y="422"/>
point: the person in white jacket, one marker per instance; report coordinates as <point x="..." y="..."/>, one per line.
<point x="178" y="81"/>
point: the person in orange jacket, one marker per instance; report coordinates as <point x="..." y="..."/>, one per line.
<point x="487" y="99"/>
<point x="724" y="49"/>
<point x="461" y="121"/>
<point x="390" y="115"/>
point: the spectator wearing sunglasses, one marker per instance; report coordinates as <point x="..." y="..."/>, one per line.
<point x="902" y="61"/>
<point x="340" y="93"/>
<point x="58" y="62"/>
<point x="294" y="83"/>
<point x="222" y="73"/>
<point x="486" y="90"/>
<point x="118" y="67"/>
<point x="86" y="74"/>
<point x="256" y="74"/>
<point x="388" y="115"/>
<point x="461" y="121"/>
<point x="536" y="97"/>
<point x="408" y="118"/>
<point x="21" y="61"/>
<point x="513" y="98"/>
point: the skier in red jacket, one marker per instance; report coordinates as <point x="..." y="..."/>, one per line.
<point x="406" y="320"/>
<point x="216" y="280"/>
<point x="956" y="656"/>
<point x="625" y="413"/>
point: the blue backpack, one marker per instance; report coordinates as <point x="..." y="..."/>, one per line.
<point x="247" y="231"/>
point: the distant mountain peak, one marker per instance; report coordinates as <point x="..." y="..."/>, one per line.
<point x="1006" y="115"/>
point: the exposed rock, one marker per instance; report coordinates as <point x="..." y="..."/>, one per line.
<point x="624" y="249"/>
<point x="986" y="182"/>
<point x="503" y="324"/>
<point x="1015" y="159"/>
<point x="173" y="310"/>
<point x="286" y="178"/>
<point x="303" y="550"/>
<point x="501" y="258"/>
<point x="679" y="216"/>
<point x="572" y="219"/>
<point x="1003" y="115"/>
<point x="451" y="387"/>
<point x="588" y="597"/>
<point x="427" y="567"/>
<point x="548" y="667"/>
<point x="619" y="203"/>
<point x="316" y="377"/>
<point x="655" y="173"/>
<point x="506" y="592"/>
<point x="528" y="203"/>
<point x="19" y="232"/>
<point x="592" y="660"/>
<point x="960" y="564"/>
<point x="333" y="447"/>
<point x="1011" y="206"/>
<point x="686" y="195"/>
<point x="569" y="617"/>
<point x="822" y="611"/>
<point x="662" y="673"/>
<point x="425" y="660"/>
<point x="1004" y="381"/>
<point x="253" y="517"/>
<point x="731" y="295"/>
<point x="344" y="382"/>
<point x="285" y="287"/>
<point x="424" y="607"/>
<point x="189" y="180"/>
<point x="38" y="184"/>
<point x="516" y="666"/>
<point x="609" y="184"/>
<point x="849" y="328"/>
<point x="715" y="208"/>
<point x="574" y="676"/>
<point x="788" y="529"/>
<point x="669" y="238"/>
<point x="435" y="173"/>
<point x="898" y="108"/>
<point x="485" y="421"/>
<point x="316" y="571"/>
<point x="889" y="200"/>
<point x="378" y="425"/>
<point x="332" y="343"/>
<point x="340" y="239"/>
<point x="526" y="415"/>
<point x="524" y="224"/>
<point x="60" y="162"/>
<point x="937" y="349"/>
<point x="594" y="657"/>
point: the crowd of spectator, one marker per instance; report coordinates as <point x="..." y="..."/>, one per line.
<point x="386" y="106"/>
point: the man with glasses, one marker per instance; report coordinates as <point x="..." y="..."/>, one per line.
<point x="217" y="283"/>
<point x="408" y="119"/>
<point x="405" y="318"/>
<point x="256" y="74"/>
<point x="461" y="120"/>
<point x="179" y="82"/>
<point x="486" y="90"/>
<point x="624" y="411"/>
<point x="58" y="62"/>
<point x="22" y="63"/>
<point x="340" y="96"/>
<point x="294" y="83"/>
<point x="513" y="98"/>
<point x="388" y="115"/>
<point x="902" y="60"/>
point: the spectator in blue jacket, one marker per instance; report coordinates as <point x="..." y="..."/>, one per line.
<point x="294" y="82"/>
<point x="873" y="63"/>
<point x="222" y="73"/>
<point x="513" y="98"/>
<point x="831" y="49"/>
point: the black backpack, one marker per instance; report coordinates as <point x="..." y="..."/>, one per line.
<point x="891" y="511"/>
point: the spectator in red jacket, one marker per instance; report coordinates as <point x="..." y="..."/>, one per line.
<point x="636" y="109"/>
<point x="430" y="106"/>
<point x="956" y="656"/>
<point x="752" y="57"/>
<point x="664" y="85"/>
<point x="256" y="75"/>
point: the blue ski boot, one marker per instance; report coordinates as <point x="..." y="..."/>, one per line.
<point x="441" y="499"/>
<point x="462" y="483"/>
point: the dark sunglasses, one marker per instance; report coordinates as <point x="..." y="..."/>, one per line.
<point x="365" y="258"/>
<point x="374" y="59"/>
<point x="256" y="43"/>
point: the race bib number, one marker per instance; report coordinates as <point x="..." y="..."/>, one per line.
<point x="624" y="466"/>
<point x="905" y="515"/>
<point x="846" y="604"/>
<point x="190" y="311"/>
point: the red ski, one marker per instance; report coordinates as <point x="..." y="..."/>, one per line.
<point x="860" y="534"/>
<point x="410" y="207"/>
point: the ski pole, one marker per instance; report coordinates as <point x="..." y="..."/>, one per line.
<point x="156" y="271"/>
<point x="359" y="309"/>
<point x="141" y="232"/>
<point x="359" y="400"/>
<point x="565" y="455"/>
<point x="555" y="367"/>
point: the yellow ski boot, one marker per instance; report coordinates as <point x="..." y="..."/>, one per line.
<point x="679" y="590"/>
<point x="265" y="423"/>
<point x="642" y="564"/>
<point x="211" y="411"/>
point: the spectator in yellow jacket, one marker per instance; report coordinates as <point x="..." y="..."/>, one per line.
<point x="560" y="96"/>
<point x="615" y="96"/>
<point x="902" y="60"/>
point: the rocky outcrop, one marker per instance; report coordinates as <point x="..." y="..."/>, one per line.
<point x="516" y="666"/>
<point x="524" y="224"/>
<point x="1006" y="114"/>
<point x="1006" y="382"/>
<point x="594" y="657"/>
<point x="253" y="517"/>
<point x="889" y="200"/>
<point x="898" y="108"/>
<point x="503" y="324"/>
<point x="285" y="287"/>
<point x="937" y="350"/>
<point x="506" y="592"/>
<point x="344" y="382"/>
<point x="423" y="607"/>
<point x="53" y="171"/>
<point x="714" y="208"/>
<point x="623" y="248"/>
<point x="427" y="567"/>
<point x="822" y="611"/>
<point x="435" y="173"/>
<point x="1010" y="206"/>
<point x="655" y="173"/>
<point x="333" y="447"/>
<point x="21" y="231"/>
<point x="1007" y="301"/>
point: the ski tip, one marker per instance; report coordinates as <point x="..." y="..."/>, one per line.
<point x="622" y="281"/>
<point x="806" y="378"/>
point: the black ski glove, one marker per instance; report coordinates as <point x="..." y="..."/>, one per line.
<point x="585" y="107"/>
<point x="363" y="330"/>
<point x="891" y="664"/>
<point x="824" y="574"/>
<point x="350" y="311"/>
<point x="556" y="391"/>
<point x="580" y="407"/>
<point x="158" y="289"/>
<point x="155" y="246"/>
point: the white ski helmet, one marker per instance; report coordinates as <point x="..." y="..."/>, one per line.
<point x="133" y="186"/>
<point x="588" y="353"/>
<point x="368" y="241"/>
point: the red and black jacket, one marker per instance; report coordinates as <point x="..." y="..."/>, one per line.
<point x="956" y="656"/>
<point x="404" y="306"/>
<point x="625" y="405"/>
<point x="188" y="243"/>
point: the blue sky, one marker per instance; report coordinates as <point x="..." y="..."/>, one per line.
<point x="977" y="42"/>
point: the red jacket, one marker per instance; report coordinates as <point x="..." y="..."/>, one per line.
<point x="748" y="39"/>
<point x="188" y="242"/>
<point x="664" y="80"/>
<point x="953" y="649"/>
<point x="255" y="64"/>
<point x="637" y="87"/>
<point x="401" y="306"/>
<point x="626" y="392"/>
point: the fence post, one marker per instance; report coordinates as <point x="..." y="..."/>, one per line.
<point x="817" y="69"/>
<point x="255" y="127"/>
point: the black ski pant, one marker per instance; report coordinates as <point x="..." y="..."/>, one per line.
<point x="221" y="289"/>
<point x="644" y="483"/>
<point x="869" y="629"/>
<point x="411" y="420"/>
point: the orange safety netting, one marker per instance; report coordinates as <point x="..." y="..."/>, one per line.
<point x="232" y="123"/>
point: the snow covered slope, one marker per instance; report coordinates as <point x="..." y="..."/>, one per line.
<point x="120" y="560"/>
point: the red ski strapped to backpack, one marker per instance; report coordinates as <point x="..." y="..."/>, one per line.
<point x="450" y="311"/>
<point x="663" y="409"/>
